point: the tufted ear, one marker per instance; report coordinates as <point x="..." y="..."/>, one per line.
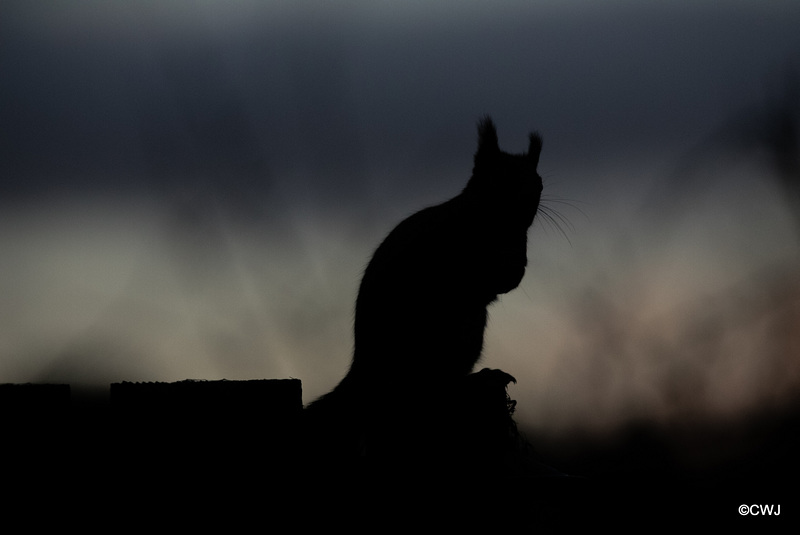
<point x="535" y="148"/>
<point x="487" y="137"/>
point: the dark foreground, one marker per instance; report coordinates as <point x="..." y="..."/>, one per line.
<point x="230" y="462"/>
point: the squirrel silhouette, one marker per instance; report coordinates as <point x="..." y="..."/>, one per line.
<point x="421" y="309"/>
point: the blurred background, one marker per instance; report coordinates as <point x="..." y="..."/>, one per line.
<point x="191" y="189"/>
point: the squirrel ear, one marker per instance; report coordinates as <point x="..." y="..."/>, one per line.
<point x="535" y="148"/>
<point x="487" y="137"/>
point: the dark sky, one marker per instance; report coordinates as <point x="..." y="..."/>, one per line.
<point x="191" y="189"/>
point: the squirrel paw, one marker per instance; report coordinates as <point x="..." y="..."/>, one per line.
<point x="500" y="377"/>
